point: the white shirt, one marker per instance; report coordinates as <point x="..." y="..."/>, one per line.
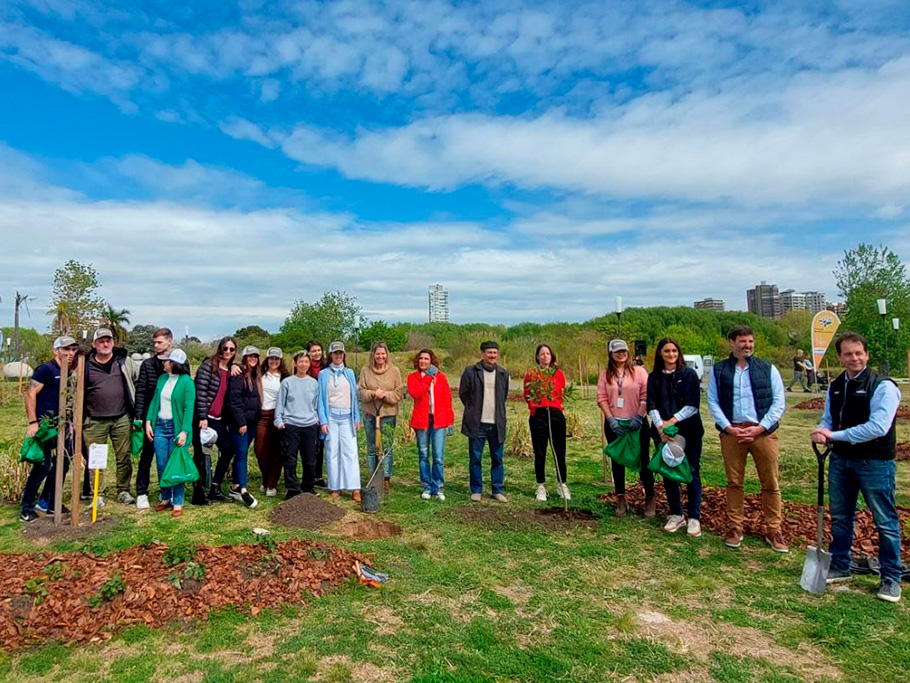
<point x="164" y="409"/>
<point x="340" y="394"/>
<point x="271" y="385"/>
<point x="488" y="412"/>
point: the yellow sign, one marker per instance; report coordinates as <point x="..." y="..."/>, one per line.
<point x="824" y="326"/>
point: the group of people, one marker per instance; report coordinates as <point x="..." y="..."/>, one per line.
<point x="312" y="416"/>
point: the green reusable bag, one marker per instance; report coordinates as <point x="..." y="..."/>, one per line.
<point x="31" y="452"/>
<point x="681" y="474"/>
<point x="179" y="470"/>
<point x="47" y="430"/>
<point x="136" y="439"/>
<point x="626" y="450"/>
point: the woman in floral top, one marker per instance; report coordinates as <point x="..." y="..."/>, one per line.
<point x="543" y="391"/>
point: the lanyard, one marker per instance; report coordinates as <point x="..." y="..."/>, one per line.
<point x="619" y="380"/>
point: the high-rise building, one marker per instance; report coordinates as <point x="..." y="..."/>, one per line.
<point x="439" y="304"/>
<point x="713" y="304"/>
<point x="837" y="308"/>
<point x="791" y="300"/>
<point x="764" y="300"/>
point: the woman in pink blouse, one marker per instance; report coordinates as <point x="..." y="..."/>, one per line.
<point x="622" y="394"/>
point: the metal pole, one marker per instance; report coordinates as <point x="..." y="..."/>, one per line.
<point x="886" y="366"/>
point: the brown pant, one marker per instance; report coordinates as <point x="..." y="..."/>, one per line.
<point x="268" y="449"/>
<point x="765" y="453"/>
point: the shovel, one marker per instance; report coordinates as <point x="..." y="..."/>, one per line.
<point x="818" y="560"/>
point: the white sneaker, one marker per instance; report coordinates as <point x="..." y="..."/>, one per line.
<point x="694" y="529"/>
<point x="441" y="496"/>
<point x="142" y="503"/>
<point x="541" y="493"/>
<point x="563" y="491"/>
<point x="500" y="498"/>
<point x="475" y="497"/>
<point x="426" y="495"/>
<point x="674" y="523"/>
<point x="125" y="498"/>
<point x="261" y="488"/>
<point x="271" y="493"/>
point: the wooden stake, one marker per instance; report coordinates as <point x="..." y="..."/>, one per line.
<point x="77" y="448"/>
<point x="20" y="376"/>
<point x="580" y="378"/>
<point x="61" y="444"/>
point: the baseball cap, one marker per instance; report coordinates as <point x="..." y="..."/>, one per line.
<point x="102" y="332"/>
<point x="207" y="439"/>
<point x="336" y="346"/>
<point x="251" y="351"/>
<point x="618" y="345"/>
<point x="273" y="352"/>
<point x="177" y="356"/>
<point x="63" y="341"/>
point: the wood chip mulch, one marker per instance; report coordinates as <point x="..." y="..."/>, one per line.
<point x="47" y="598"/>
<point x="799" y="526"/>
<point x="903" y="412"/>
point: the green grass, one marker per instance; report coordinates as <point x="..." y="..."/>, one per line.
<point x="469" y="603"/>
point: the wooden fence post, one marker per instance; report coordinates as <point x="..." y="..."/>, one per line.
<point x="77" y="448"/>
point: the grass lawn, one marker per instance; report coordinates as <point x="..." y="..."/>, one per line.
<point x="474" y="602"/>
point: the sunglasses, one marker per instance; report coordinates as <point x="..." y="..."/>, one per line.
<point x="230" y="348"/>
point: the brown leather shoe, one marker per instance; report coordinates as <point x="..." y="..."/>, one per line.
<point x="650" y="507"/>
<point x="734" y="539"/>
<point x="621" y="506"/>
<point x="386" y="484"/>
<point x="777" y="543"/>
<point x="177" y="512"/>
<point x="356" y="496"/>
<point x="162" y="506"/>
<point x="336" y="494"/>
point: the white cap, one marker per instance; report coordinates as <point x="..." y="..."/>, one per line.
<point x="177" y="356"/>
<point x="102" y="332"/>
<point x="274" y="352"/>
<point x="63" y="341"/>
<point x="250" y="351"/>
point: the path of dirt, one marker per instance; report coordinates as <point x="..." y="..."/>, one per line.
<point x="519" y="519"/>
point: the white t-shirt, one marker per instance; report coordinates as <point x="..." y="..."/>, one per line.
<point x="271" y="384"/>
<point x="488" y="413"/>
<point x="339" y="393"/>
<point x="164" y="409"/>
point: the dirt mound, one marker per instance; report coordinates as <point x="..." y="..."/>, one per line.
<point x="369" y="529"/>
<point x="799" y="524"/>
<point x="82" y="598"/>
<point x="502" y="518"/>
<point x="43" y="529"/>
<point x="306" y="511"/>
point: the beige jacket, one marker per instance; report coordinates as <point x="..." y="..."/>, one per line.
<point x="389" y="380"/>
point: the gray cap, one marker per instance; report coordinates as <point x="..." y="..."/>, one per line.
<point x="177" y="356"/>
<point x="274" y="352"/>
<point x="336" y="346"/>
<point x="617" y="345"/>
<point x="102" y="332"/>
<point x="63" y="341"/>
<point x="251" y="351"/>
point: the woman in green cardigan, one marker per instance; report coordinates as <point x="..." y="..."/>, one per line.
<point x="170" y="421"/>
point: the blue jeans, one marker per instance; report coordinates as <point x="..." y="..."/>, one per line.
<point x="486" y="433"/>
<point x="165" y="440"/>
<point x="240" y="473"/>
<point x="369" y="428"/>
<point x="875" y="478"/>
<point x="432" y="478"/>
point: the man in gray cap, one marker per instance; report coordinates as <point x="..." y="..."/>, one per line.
<point x="42" y="401"/>
<point x="110" y="397"/>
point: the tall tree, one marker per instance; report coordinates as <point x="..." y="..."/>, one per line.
<point x="332" y="317"/>
<point x="116" y="322"/>
<point x="863" y="276"/>
<point x="75" y="304"/>
<point x="140" y="340"/>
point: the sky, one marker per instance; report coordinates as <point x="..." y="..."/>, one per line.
<point x="218" y="161"/>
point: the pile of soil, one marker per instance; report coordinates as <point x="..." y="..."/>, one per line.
<point x="306" y="511"/>
<point x="503" y="518"/>
<point x="51" y="598"/>
<point x="44" y="529"/>
<point x="903" y="412"/>
<point x="369" y="529"/>
<point x="799" y="526"/>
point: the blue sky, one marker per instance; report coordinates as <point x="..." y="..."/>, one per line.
<point x="217" y="161"/>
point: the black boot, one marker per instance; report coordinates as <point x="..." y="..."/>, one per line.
<point x="215" y="494"/>
<point x="199" y="496"/>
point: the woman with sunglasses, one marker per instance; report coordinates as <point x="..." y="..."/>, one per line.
<point x="339" y="422"/>
<point x="268" y="440"/>
<point x="242" y="421"/>
<point x="622" y="396"/>
<point x="212" y="404"/>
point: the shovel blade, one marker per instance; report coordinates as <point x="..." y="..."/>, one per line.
<point x="815" y="571"/>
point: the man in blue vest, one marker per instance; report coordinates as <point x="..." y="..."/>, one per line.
<point x="858" y="422"/>
<point x="746" y="399"/>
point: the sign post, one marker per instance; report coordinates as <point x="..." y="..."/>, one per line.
<point x="824" y="326"/>
<point x="97" y="461"/>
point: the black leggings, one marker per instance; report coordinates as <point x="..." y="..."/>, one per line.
<point x="619" y="472"/>
<point x="540" y="437"/>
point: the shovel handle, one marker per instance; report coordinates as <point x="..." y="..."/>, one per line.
<point x="820" y="455"/>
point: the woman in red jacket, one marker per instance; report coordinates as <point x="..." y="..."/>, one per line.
<point x="431" y="417"/>
<point x="543" y="389"/>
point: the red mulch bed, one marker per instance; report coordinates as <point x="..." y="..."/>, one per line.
<point x="903" y="411"/>
<point x="799" y="527"/>
<point x="903" y="451"/>
<point x="47" y="598"/>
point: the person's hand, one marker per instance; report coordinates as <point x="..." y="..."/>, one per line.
<point x="324" y="428"/>
<point x="615" y="427"/>
<point x="636" y="423"/>
<point x="733" y="431"/>
<point x="236" y="370"/>
<point x="749" y="434"/>
<point x="148" y="431"/>
<point x="356" y="426"/>
<point x="664" y="437"/>
<point x="203" y="424"/>
<point x="281" y="426"/>
<point x="379" y="393"/>
<point x="32" y="430"/>
<point x="242" y="430"/>
<point x="821" y="436"/>
<point x="181" y="438"/>
<point x="432" y="370"/>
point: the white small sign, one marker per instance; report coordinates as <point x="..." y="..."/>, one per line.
<point x="97" y="456"/>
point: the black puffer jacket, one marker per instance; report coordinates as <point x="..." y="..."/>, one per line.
<point x="207" y="383"/>
<point x="244" y="402"/>
<point x="149" y="372"/>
